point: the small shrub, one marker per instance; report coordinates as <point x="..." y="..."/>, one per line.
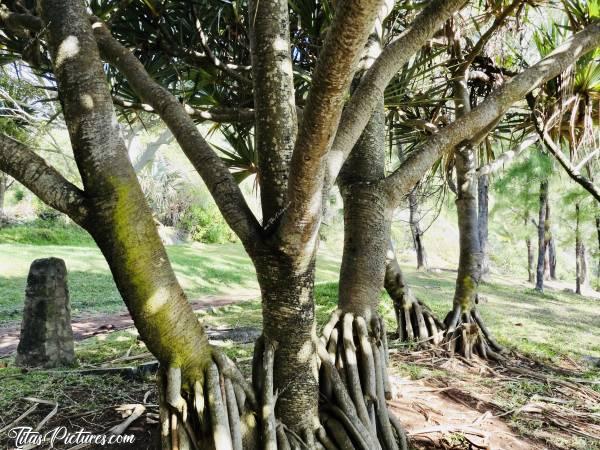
<point x="19" y="195"/>
<point x="206" y="225"/>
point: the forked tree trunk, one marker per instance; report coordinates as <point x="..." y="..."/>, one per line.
<point x="415" y="321"/>
<point x="483" y="213"/>
<point x="539" y="285"/>
<point x="119" y="219"/>
<point x="415" y="229"/>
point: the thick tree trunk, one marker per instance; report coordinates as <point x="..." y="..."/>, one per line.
<point x="483" y="206"/>
<point x="539" y="285"/>
<point x="355" y="341"/>
<point x="415" y="229"/>
<point x="415" y="321"/>
<point x="288" y="325"/>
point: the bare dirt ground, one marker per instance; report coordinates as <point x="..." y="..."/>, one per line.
<point x="88" y="325"/>
<point x="462" y="404"/>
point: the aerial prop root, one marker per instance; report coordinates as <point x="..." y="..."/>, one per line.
<point x="354" y="385"/>
<point x="467" y="335"/>
<point x="216" y="410"/>
<point x="416" y="322"/>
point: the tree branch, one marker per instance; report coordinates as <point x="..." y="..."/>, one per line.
<point x="360" y="107"/>
<point x="215" y="114"/>
<point x="211" y="168"/>
<point x="571" y="170"/>
<point x="352" y="23"/>
<point x="490" y="110"/>
<point x="32" y="171"/>
<point x="506" y="157"/>
<point x="276" y="124"/>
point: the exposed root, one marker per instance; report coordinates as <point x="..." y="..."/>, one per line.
<point x="214" y="412"/>
<point x="467" y="335"/>
<point x="415" y="321"/>
<point x="354" y="386"/>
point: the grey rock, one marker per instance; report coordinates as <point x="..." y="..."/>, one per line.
<point x="46" y="335"/>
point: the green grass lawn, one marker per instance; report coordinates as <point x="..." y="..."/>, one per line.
<point x="202" y="269"/>
<point x="544" y="325"/>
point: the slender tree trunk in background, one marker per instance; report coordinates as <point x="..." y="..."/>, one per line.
<point x="415" y="229"/>
<point x="3" y="179"/>
<point x="552" y="258"/>
<point x="539" y="285"/>
<point x="530" y="253"/>
<point x="466" y="333"/>
<point x="578" y="280"/>
<point x="598" y="234"/>
<point x="550" y="261"/>
<point x="530" y="259"/>
<point x="483" y="206"/>
<point x="415" y="321"/>
<point x="585" y="281"/>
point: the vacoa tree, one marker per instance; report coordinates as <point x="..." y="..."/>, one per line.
<point x="301" y="148"/>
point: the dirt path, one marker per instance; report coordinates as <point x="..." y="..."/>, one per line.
<point x="433" y="420"/>
<point x="88" y="325"/>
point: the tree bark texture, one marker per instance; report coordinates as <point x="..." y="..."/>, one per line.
<point x="483" y="206"/>
<point x="415" y="229"/>
<point x="539" y="285"/>
<point x="288" y="323"/>
<point x="598" y="234"/>
<point x="275" y="119"/>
